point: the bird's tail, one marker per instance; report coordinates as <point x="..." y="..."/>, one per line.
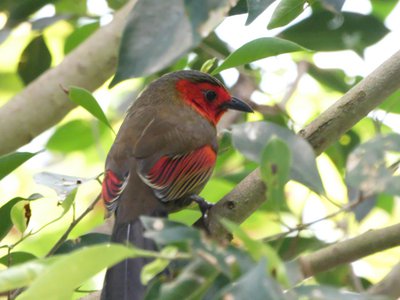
<point x="122" y="281"/>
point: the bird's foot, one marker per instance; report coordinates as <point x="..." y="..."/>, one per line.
<point x="203" y="205"/>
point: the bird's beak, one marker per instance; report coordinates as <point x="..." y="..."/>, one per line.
<point x="237" y="104"/>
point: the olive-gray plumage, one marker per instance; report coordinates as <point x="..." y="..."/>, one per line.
<point x="165" y="147"/>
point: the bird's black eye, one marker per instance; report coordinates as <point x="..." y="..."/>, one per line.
<point x="210" y="95"/>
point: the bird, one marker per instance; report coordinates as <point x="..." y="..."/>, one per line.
<point x="162" y="157"/>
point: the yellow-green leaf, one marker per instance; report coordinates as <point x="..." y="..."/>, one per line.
<point x="10" y="162"/>
<point x="85" y="99"/>
<point x="151" y="270"/>
<point x="68" y="272"/>
<point x="257" y="49"/>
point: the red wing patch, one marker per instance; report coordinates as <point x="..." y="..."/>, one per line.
<point x="173" y="177"/>
<point x="112" y="188"/>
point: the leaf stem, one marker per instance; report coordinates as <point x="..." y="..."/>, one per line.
<point x="64" y="237"/>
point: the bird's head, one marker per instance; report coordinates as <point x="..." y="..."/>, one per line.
<point x="207" y="95"/>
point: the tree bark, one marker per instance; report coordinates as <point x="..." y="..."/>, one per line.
<point x="350" y="250"/>
<point x="388" y="286"/>
<point x="249" y="194"/>
<point x="43" y="103"/>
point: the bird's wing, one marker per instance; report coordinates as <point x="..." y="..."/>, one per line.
<point x="120" y="160"/>
<point x="112" y="187"/>
<point x="172" y="156"/>
<point x="174" y="176"/>
<point x="176" y="153"/>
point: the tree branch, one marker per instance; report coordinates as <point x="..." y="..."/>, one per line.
<point x="249" y="194"/>
<point x="303" y="226"/>
<point x="43" y="103"/>
<point x="71" y="226"/>
<point x="349" y="250"/>
<point x="388" y="286"/>
<point x="354" y="105"/>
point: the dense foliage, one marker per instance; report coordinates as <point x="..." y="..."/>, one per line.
<point x="49" y="209"/>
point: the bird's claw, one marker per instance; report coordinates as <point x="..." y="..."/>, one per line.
<point x="204" y="205"/>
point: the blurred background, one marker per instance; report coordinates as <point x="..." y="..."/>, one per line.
<point x="288" y="89"/>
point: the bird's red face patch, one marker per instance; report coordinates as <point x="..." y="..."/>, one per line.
<point x="206" y="98"/>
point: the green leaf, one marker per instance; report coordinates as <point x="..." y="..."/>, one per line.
<point x="68" y="272"/>
<point x="163" y="231"/>
<point x="69" y="200"/>
<point x="180" y="64"/>
<point x="153" y="290"/>
<point x="333" y="5"/>
<point x="75" y="135"/>
<point x="208" y="65"/>
<point x="20" y="215"/>
<point x="5" y="216"/>
<point x="5" y="213"/>
<point x="365" y="207"/>
<point x="340" y="150"/>
<point x="256" y="7"/>
<point x="23" y="274"/>
<point x="10" y="82"/>
<point x="386" y="202"/>
<point x="75" y="7"/>
<point x="335" y="79"/>
<point x="367" y="168"/>
<point x="275" y="165"/>
<point x="285" y="12"/>
<point x="325" y="31"/>
<point x="392" y="103"/>
<point x="158" y="33"/>
<point x="276" y="160"/>
<point x="255" y="50"/>
<point x="35" y="59"/>
<point x="19" y="11"/>
<point x="116" y="4"/>
<point x="41" y="23"/>
<point x="16" y="258"/>
<point x="239" y="8"/>
<point x="251" y="138"/>
<point x="290" y="247"/>
<point x="337" y="276"/>
<point x="79" y="35"/>
<point x="158" y="265"/>
<point x="192" y="282"/>
<point x="214" y="42"/>
<point x="85" y="99"/>
<point x="242" y="263"/>
<point x="83" y="241"/>
<point x="10" y="162"/>
<point x="258" y="250"/>
<point x="382" y="9"/>
<point x="219" y="283"/>
<point x="255" y="284"/>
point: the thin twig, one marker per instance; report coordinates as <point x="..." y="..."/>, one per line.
<point x="356" y="281"/>
<point x="300" y="227"/>
<point x="10" y="247"/>
<point x="8" y="265"/>
<point x="64" y="237"/>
